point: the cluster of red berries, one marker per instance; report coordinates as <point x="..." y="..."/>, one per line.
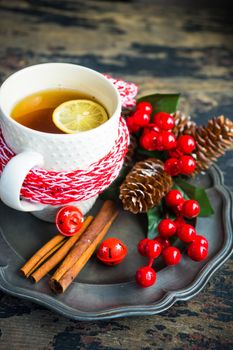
<point x="197" y="245"/>
<point x="157" y="135"/>
<point x="180" y="161"/>
<point x="139" y="118"/>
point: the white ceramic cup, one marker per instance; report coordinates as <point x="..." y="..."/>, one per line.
<point x="58" y="152"/>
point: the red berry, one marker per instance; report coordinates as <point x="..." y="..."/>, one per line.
<point x="174" y="153"/>
<point x="174" y="198"/>
<point x="141" y="118"/>
<point x="186" y="143"/>
<point x="171" y="255"/>
<point x="145" y="107"/>
<point x="197" y="252"/>
<point x="186" y="233"/>
<point x="164" y="120"/>
<point x="190" y="208"/>
<point x="168" y="140"/>
<point x="166" y="228"/>
<point x="151" y="127"/>
<point x="178" y="222"/>
<point x="112" y="251"/>
<point x="132" y="126"/>
<point x="142" y="245"/>
<point x="145" y="276"/>
<point x="163" y="241"/>
<point x="159" y="142"/>
<point x="153" y="249"/>
<point x="172" y="166"/>
<point x="179" y="207"/>
<point x="148" y="140"/>
<point x="201" y="240"/>
<point x="69" y="220"/>
<point x="187" y="165"/>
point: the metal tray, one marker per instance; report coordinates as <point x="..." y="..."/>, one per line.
<point x="102" y="292"/>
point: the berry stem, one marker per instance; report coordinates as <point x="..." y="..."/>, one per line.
<point x="150" y="262"/>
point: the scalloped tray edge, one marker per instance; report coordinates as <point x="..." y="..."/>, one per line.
<point x="170" y="297"/>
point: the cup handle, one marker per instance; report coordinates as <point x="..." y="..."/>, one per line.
<point x="12" y="179"/>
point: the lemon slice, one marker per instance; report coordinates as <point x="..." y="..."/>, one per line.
<point x="79" y="115"/>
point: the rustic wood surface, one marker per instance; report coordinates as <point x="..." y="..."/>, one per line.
<point x="166" y="46"/>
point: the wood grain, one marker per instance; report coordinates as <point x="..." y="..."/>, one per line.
<point x="166" y="46"/>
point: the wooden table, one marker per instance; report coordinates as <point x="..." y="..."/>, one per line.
<point x="165" y="46"/>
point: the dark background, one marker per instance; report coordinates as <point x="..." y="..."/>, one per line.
<point x="165" y="46"/>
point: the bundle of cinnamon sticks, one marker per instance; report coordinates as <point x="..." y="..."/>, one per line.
<point x="73" y="253"/>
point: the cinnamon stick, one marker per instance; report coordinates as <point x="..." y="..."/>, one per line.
<point x="84" y="248"/>
<point x="42" y="254"/>
<point x="60" y="254"/>
<point x="45" y="257"/>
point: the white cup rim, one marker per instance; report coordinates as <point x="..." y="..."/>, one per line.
<point x="61" y="64"/>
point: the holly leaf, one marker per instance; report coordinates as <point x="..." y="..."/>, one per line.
<point x="154" y="216"/>
<point x="177" y="187"/>
<point x="162" y="102"/>
<point x="151" y="154"/>
<point x="197" y="193"/>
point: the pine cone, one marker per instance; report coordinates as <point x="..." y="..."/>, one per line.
<point x="145" y="186"/>
<point x="183" y="124"/>
<point x="212" y="141"/>
<point x="130" y="153"/>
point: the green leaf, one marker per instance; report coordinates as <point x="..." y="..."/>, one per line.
<point x="162" y="102"/>
<point x="184" y="194"/>
<point x="151" y="154"/>
<point x="197" y="193"/>
<point x="154" y="216"/>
